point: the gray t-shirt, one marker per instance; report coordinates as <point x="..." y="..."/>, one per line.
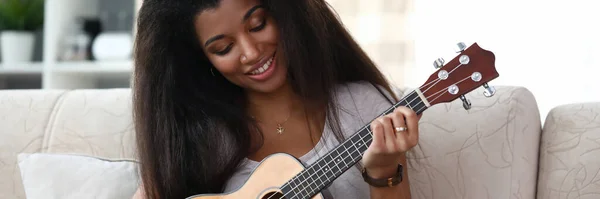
<point x="359" y="103"/>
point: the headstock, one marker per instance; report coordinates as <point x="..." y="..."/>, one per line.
<point x="473" y="67"/>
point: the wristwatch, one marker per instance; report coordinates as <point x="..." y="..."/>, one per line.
<point x="387" y="182"/>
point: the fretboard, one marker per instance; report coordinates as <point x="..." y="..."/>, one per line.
<point x="323" y="172"/>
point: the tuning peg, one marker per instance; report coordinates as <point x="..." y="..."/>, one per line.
<point x="438" y="63"/>
<point x="489" y="90"/>
<point x="460" y="47"/>
<point x="466" y="102"/>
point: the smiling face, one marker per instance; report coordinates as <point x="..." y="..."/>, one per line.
<point x="240" y="38"/>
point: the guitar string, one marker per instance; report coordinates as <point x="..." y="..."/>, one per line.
<point x="434" y="83"/>
<point x="439" y="80"/>
<point x="421" y="102"/>
<point x="413" y="92"/>
<point x="446" y="88"/>
<point x="340" y="154"/>
<point x="346" y="151"/>
<point x="428" y="97"/>
<point x="361" y="138"/>
<point x="333" y="160"/>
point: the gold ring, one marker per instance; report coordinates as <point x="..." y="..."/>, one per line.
<point x="400" y="129"/>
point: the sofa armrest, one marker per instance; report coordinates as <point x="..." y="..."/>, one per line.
<point x="489" y="151"/>
<point x="570" y="152"/>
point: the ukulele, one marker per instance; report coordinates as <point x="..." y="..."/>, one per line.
<point x="282" y="176"/>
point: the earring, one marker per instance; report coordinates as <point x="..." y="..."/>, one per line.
<point x="211" y="71"/>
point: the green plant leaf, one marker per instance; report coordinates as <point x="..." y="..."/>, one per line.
<point x="22" y="15"/>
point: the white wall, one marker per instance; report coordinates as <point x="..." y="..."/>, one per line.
<point x="550" y="47"/>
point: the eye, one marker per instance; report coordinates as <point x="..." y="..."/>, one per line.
<point x="224" y="51"/>
<point x="261" y="26"/>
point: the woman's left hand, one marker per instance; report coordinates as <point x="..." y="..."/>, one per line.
<point x="393" y="135"/>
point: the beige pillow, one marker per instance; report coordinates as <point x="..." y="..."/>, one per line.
<point x="66" y="176"/>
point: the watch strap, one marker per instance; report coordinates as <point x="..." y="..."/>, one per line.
<point x="386" y="182"/>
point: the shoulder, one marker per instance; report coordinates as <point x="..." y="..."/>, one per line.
<point x="367" y="93"/>
<point x="368" y="88"/>
<point x="365" y="100"/>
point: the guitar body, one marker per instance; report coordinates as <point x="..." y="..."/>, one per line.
<point x="274" y="171"/>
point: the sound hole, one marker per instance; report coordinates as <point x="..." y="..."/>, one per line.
<point x="273" y="195"/>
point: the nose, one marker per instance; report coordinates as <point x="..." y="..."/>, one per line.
<point x="250" y="52"/>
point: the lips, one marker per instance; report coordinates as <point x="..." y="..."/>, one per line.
<point x="265" y="70"/>
<point x="261" y="66"/>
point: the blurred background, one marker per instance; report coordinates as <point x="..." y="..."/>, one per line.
<point x="550" y="47"/>
<point x="66" y="44"/>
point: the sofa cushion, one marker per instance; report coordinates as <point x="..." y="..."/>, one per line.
<point x="95" y="122"/>
<point x="489" y="151"/>
<point x="24" y="116"/>
<point x="65" y="176"/>
<point x="570" y="153"/>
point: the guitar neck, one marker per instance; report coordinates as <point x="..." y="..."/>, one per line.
<point x="328" y="168"/>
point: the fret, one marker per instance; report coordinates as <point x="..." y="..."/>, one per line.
<point x="288" y="189"/>
<point x="358" y="144"/>
<point x="406" y="102"/>
<point x="416" y="102"/>
<point x="302" y="186"/>
<point x="365" y="137"/>
<point x="411" y="100"/>
<point x="318" y="174"/>
<point x="348" y="149"/>
<point x="326" y="161"/>
<point x="312" y="177"/>
<point x="300" y="179"/>
<point x="352" y="150"/>
<point x="323" y="172"/>
<point x="420" y="108"/>
<point x="312" y="187"/>
<point x="365" y="142"/>
<point x="368" y="137"/>
<point x="339" y="159"/>
<point x="306" y="177"/>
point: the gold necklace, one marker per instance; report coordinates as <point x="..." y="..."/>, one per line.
<point x="280" y="129"/>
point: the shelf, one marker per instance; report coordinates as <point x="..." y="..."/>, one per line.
<point x="35" y="68"/>
<point x="62" y="19"/>
<point x="91" y="67"/>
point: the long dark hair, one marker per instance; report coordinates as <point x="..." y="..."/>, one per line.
<point x="191" y="129"/>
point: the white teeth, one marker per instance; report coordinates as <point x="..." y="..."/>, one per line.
<point x="263" y="68"/>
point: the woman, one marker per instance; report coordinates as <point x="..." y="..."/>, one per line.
<point x="222" y="84"/>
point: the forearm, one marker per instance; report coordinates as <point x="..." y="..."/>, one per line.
<point x="388" y="193"/>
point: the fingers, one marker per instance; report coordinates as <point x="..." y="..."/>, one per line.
<point x="388" y="131"/>
<point x="398" y="121"/>
<point x="385" y="137"/>
<point x="411" y="120"/>
<point x="378" y="136"/>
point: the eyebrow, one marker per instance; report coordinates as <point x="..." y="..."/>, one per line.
<point x="246" y="16"/>
<point x="249" y="13"/>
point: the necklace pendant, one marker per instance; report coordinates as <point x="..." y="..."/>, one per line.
<point x="280" y="129"/>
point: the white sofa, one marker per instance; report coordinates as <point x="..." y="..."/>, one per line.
<point x="498" y="149"/>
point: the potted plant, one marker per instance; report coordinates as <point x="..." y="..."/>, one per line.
<point x="19" y="19"/>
